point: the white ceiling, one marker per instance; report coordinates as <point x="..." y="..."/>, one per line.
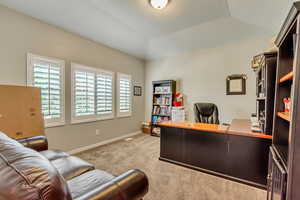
<point x="134" y="27"/>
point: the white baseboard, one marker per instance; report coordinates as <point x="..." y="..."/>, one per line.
<point x="92" y="146"/>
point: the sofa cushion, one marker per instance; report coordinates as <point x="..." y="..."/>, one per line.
<point x="27" y="175"/>
<point x="87" y="182"/>
<point x="54" y="154"/>
<point x="70" y="167"/>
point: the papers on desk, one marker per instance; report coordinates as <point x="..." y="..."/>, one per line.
<point x="178" y="114"/>
<point x="255" y="125"/>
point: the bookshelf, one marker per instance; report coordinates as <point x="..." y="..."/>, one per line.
<point x="285" y="75"/>
<point x="286" y="126"/>
<point x="265" y="66"/>
<point x="163" y="93"/>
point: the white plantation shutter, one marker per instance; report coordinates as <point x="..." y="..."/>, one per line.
<point x="92" y="94"/>
<point x="104" y="94"/>
<point x="124" y="95"/>
<point x="84" y="93"/>
<point x="48" y="74"/>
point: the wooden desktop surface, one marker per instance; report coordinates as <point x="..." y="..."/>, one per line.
<point x="243" y="127"/>
<point x="238" y="127"/>
<point x="196" y="126"/>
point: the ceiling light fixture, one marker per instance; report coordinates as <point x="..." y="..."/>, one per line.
<point x="159" y="4"/>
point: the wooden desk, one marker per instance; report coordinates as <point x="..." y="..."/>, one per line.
<point x="233" y="152"/>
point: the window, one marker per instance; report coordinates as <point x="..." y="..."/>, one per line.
<point x="92" y="94"/>
<point x="48" y="74"/>
<point x="124" y="95"/>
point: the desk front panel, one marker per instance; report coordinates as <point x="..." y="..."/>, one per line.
<point x="172" y="144"/>
<point x="206" y="150"/>
<point x="233" y="156"/>
<point x="248" y="158"/>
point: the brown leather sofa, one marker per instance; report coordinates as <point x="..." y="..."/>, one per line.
<point x="38" y="143"/>
<point x="54" y="175"/>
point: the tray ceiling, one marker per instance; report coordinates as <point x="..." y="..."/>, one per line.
<point x="134" y="27"/>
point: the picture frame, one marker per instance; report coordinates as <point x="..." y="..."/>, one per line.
<point x="236" y="84"/>
<point x="137" y="91"/>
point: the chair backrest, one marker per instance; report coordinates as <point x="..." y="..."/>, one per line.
<point x="27" y="175"/>
<point x="206" y="113"/>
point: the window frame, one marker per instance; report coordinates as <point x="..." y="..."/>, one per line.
<point x="61" y="64"/>
<point x="94" y="117"/>
<point x="129" y="113"/>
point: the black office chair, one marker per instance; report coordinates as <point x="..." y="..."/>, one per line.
<point x="206" y="113"/>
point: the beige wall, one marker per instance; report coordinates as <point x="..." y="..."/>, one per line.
<point x="21" y="34"/>
<point x="201" y="77"/>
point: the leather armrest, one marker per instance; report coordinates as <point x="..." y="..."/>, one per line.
<point x="132" y="185"/>
<point x="38" y="143"/>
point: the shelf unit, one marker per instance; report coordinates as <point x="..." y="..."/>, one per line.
<point x="286" y="127"/>
<point x="284" y="89"/>
<point x="162" y="103"/>
<point x="265" y="65"/>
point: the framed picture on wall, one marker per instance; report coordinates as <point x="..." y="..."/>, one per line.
<point x="236" y="84"/>
<point x="137" y="91"/>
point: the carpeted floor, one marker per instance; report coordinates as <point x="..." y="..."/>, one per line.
<point x="167" y="181"/>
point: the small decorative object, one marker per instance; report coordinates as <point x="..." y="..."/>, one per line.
<point x="137" y="91"/>
<point x="255" y="63"/>
<point x="178" y="101"/>
<point x="287" y="105"/>
<point x="146" y="127"/>
<point x="236" y="84"/>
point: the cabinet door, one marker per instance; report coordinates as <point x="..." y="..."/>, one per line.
<point x="277" y="178"/>
<point x="206" y="150"/>
<point x="248" y="158"/>
<point x="171" y="143"/>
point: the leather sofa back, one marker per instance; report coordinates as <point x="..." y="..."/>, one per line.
<point x="27" y="175"/>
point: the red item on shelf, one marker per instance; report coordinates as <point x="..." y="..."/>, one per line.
<point x="177" y="103"/>
<point x="287" y="105"/>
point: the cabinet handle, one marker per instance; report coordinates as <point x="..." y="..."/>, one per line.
<point x="228" y="146"/>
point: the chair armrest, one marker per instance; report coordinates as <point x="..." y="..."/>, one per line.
<point x="38" y="143"/>
<point x="132" y="185"/>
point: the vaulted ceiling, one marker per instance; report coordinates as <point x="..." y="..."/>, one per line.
<point x="134" y="27"/>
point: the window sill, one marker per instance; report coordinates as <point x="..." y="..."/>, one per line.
<point x="54" y="124"/>
<point x="124" y="115"/>
<point x="80" y="121"/>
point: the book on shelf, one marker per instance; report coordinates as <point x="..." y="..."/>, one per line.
<point x="162" y="89"/>
<point x="164" y="100"/>
<point x="157" y="119"/>
<point x="158" y="110"/>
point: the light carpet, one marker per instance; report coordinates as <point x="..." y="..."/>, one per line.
<point x="167" y="181"/>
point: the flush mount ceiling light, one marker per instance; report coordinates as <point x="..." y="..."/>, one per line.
<point x="159" y="4"/>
